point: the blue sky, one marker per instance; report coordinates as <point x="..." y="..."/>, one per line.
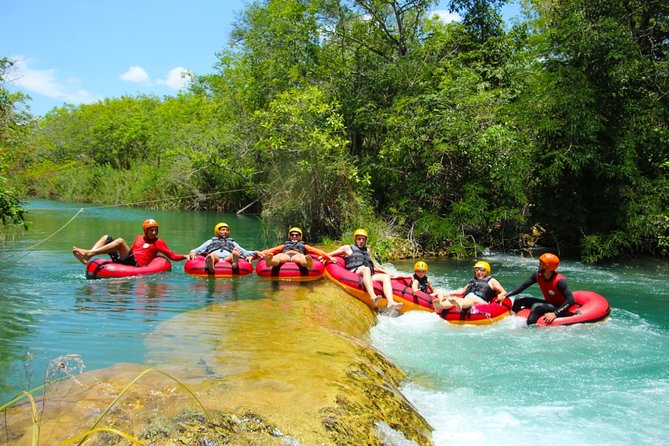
<point x="81" y="51"/>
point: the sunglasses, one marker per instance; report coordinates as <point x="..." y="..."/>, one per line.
<point x="294" y="234"/>
<point x="479" y="269"/>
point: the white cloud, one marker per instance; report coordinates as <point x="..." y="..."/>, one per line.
<point x="137" y="75"/>
<point x="46" y="83"/>
<point x="446" y="16"/>
<point x="177" y="78"/>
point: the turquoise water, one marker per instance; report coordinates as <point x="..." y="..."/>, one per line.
<point x="505" y="384"/>
<point x="605" y="383"/>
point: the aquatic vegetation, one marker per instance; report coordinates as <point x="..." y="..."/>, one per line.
<point x="62" y="366"/>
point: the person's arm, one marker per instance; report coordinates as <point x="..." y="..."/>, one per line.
<point x="569" y="297"/>
<point x="273" y="251"/>
<point x="342" y="251"/>
<point x="414" y="286"/>
<point x="319" y="253"/>
<point x="246" y="254"/>
<point x="529" y="281"/>
<point x="162" y="248"/>
<point x="460" y="292"/>
<point x="199" y="250"/>
<point x="499" y="289"/>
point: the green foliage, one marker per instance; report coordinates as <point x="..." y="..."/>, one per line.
<point x="14" y="123"/>
<point x="441" y="138"/>
<point x="309" y="180"/>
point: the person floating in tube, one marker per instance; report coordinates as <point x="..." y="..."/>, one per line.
<point x="557" y="295"/>
<point x="222" y="247"/>
<point x="144" y="249"/>
<point x="481" y="289"/>
<point x="293" y="250"/>
<point x="359" y="260"/>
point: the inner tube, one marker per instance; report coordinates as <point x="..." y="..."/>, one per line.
<point x="105" y="268"/>
<point x="222" y="269"/>
<point x="402" y="291"/>
<point x="290" y="271"/>
<point x="481" y="314"/>
<point x="590" y="307"/>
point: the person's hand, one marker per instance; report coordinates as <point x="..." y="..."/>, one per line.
<point x="191" y="255"/>
<point x="260" y="254"/>
<point x="550" y="317"/>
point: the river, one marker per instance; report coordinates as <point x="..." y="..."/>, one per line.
<point x="503" y="384"/>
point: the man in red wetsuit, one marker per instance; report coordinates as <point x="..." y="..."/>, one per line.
<point x="144" y="249"/>
<point x="558" y="297"/>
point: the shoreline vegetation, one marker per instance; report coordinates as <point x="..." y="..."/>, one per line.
<point x="445" y="138"/>
<point x="320" y="382"/>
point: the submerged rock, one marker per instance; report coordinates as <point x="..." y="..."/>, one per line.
<point x="291" y="368"/>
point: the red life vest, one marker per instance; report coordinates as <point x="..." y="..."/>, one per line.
<point x="145" y="250"/>
<point x="550" y="290"/>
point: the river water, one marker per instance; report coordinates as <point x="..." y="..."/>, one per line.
<point x="503" y="384"/>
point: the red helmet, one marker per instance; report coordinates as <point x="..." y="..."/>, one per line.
<point x="149" y="223"/>
<point x="550" y="260"/>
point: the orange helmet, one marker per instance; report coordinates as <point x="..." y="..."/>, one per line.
<point x="149" y="223"/>
<point x="550" y="260"/>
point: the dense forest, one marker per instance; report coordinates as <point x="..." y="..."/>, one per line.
<point x="440" y="138"/>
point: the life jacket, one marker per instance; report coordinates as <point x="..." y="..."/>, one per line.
<point x="225" y="244"/>
<point x="359" y="257"/>
<point x="294" y="246"/>
<point x="481" y="287"/>
<point x="422" y="283"/>
<point x="550" y="290"/>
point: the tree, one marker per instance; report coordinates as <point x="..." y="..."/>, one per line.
<point x="598" y="112"/>
<point x="13" y="123"/>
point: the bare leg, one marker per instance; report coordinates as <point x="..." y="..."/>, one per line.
<point x="235" y="258"/>
<point x="387" y="290"/>
<point x="84" y="255"/>
<point x="210" y="263"/>
<point x="440" y="302"/>
<point x="466" y="302"/>
<point x="276" y="260"/>
<point x="366" y="275"/>
<point x="457" y="303"/>
<point x="303" y="260"/>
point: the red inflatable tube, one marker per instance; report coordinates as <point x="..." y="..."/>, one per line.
<point x="290" y="271"/>
<point x="402" y="292"/>
<point x="481" y="314"/>
<point x="590" y="307"/>
<point x="222" y="269"/>
<point x="105" y="268"/>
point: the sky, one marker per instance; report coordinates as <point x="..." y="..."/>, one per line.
<point x="82" y="51"/>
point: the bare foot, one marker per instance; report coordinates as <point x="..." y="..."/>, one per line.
<point x="235" y="260"/>
<point x="310" y="262"/>
<point x="394" y="305"/>
<point x="375" y="300"/>
<point x="456" y="303"/>
<point x="209" y="265"/>
<point x="436" y="304"/>
<point x="79" y="254"/>
<point x="268" y="259"/>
